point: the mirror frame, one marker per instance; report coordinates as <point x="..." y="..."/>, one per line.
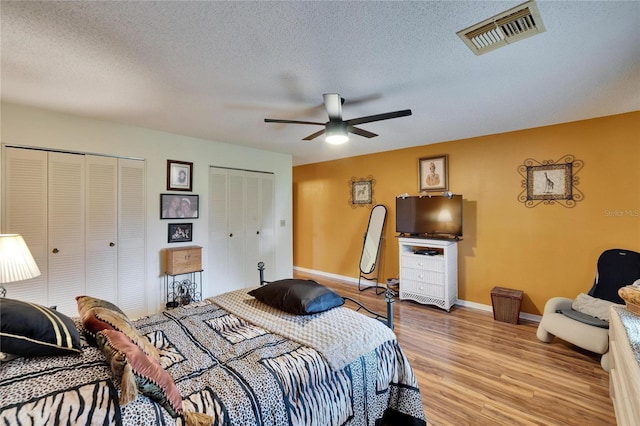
<point x="373" y="239"/>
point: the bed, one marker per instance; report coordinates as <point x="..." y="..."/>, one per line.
<point x="232" y="358"/>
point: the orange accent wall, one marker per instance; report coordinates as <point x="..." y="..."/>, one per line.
<point x="546" y="251"/>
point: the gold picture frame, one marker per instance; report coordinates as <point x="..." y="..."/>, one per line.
<point x="434" y="173"/>
<point x="361" y="191"/>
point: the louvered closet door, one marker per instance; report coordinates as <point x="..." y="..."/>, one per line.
<point x="259" y="226"/>
<point x="218" y="236"/>
<point x="268" y="225"/>
<point x="66" y="230"/>
<point x="236" y="230"/>
<point x="132" y="294"/>
<point x="25" y="213"/>
<point x="226" y="230"/>
<point x="253" y="219"/>
<point x="102" y="227"/>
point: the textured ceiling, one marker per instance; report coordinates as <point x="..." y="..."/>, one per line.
<point x="215" y="70"/>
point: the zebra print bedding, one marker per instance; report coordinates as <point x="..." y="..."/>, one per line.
<point x="235" y="371"/>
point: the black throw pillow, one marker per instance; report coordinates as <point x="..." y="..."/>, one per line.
<point x="28" y="329"/>
<point x="299" y="297"/>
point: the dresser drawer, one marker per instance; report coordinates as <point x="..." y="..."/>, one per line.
<point x="422" y="289"/>
<point x="419" y="261"/>
<point x="181" y="260"/>
<point x="423" y="276"/>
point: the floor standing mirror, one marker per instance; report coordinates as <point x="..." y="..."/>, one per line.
<point x="371" y="250"/>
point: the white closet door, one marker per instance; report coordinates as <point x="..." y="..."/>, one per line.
<point x="218" y="235"/>
<point x="25" y="188"/>
<point x="268" y="226"/>
<point x="102" y="227"/>
<point x="66" y="230"/>
<point x="132" y="294"/>
<point x="253" y="219"/>
<point x="259" y="236"/>
<point x="226" y="230"/>
<point x="236" y="229"/>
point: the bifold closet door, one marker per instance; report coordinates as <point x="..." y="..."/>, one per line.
<point x="83" y="218"/>
<point x="132" y="289"/>
<point x="241" y="226"/>
<point x="259" y="226"/>
<point x="25" y="186"/>
<point x="226" y="230"/>
<point x="66" y="230"/>
<point x="102" y="227"/>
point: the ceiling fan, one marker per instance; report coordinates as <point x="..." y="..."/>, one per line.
<point x="336" y="128"/>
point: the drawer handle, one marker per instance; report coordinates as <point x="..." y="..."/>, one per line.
<point x="55" y="250"/>
<point x="112" y="244"/>
<point x="231" y="235"/>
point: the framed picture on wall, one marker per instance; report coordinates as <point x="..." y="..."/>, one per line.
<point x="179" y="175"/>
<point x="434" y="173"/>
<point x="361" y="192"/>
<point x="174" y="206"/>
<point x="550" y="182"/>
<point x="180" y="232"/>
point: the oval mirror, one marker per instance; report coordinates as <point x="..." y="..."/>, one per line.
<point x="373" y="239"/>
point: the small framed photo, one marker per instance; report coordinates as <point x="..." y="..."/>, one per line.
<point x="179" y="175"/>
<point x="180" y="232"/>
<point x="550" y="182"/>
<point x="174" y="206"/>
<point x="434" y="173"/>
<point x="361" y="192"/>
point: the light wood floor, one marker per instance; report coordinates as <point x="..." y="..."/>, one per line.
<point x="473" y="370"/>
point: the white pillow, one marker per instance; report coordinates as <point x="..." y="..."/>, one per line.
<point x="593" y="306"/>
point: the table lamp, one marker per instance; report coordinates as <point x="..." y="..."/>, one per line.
<point x="16" y="261"/>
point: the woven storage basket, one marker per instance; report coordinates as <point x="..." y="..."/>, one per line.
<point x="631" y="296"/>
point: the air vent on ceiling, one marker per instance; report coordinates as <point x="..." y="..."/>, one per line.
<point x="507" y="27"/>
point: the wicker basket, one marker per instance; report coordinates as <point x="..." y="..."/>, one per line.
<point x="631" y="296"/>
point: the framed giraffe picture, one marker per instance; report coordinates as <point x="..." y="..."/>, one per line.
<point x="550" y="182"/>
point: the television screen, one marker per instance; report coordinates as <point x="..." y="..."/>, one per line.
<point x="429" y="216"/>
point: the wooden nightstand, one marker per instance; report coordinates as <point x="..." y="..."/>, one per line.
<point x="185" y="261"/>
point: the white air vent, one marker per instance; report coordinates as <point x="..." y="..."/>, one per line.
<point x="507" y="27"/>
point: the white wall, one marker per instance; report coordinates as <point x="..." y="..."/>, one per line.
<point x="25" y="126"/>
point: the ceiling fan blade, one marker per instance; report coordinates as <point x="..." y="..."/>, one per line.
<point x="314" y="135"/>
<point x="378" y="117"/>
<point x="333" y="104"/>
<point x="275" y="120"/>
<point x="361" y="132"/>
<point x="362" y="99"/>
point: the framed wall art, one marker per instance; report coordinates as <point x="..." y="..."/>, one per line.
<point x="174" y="206"/>
<point x="550" y="182"/>
<point x="434" y="173"/>
<point x="180" y="232"/>
<point x="179" y="175"/>
<point x="361" y="191"/>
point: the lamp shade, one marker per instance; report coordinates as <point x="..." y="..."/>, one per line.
<point x="16" y="261"/>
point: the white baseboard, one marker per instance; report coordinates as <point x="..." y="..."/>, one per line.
<point x="465" y="303"/>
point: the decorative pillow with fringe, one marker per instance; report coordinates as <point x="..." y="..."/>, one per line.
<point x="87" y="302"/>
<point x="97" y="315"/>
<point x="142" y="374"/>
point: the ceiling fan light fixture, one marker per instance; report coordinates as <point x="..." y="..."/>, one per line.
<point x="336" y="133"/>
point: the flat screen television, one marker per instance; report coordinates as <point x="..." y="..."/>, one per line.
<point x="435" y="216"/>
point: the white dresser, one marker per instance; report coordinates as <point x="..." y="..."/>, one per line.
<point x="624" y="377"/>
<point x="429" y="279"/>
